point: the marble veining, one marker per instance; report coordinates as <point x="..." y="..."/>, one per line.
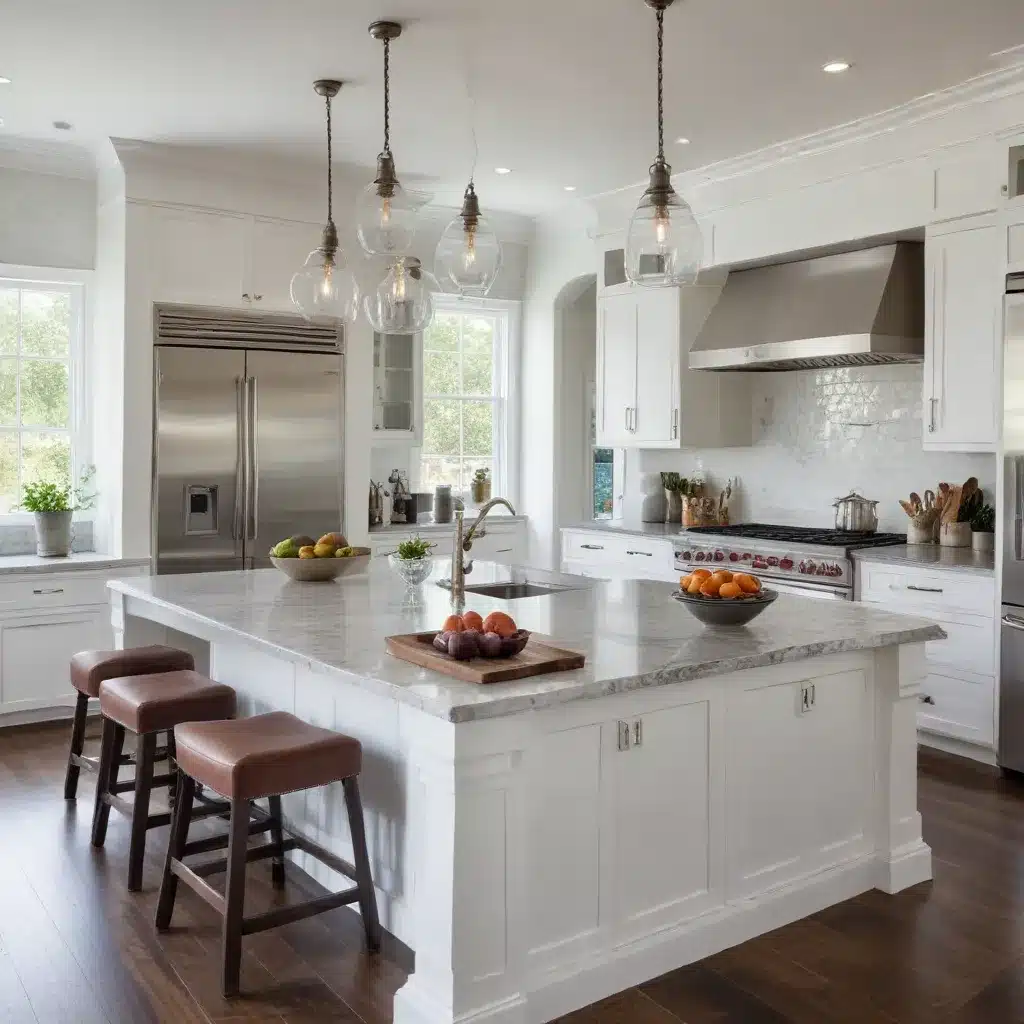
<point x="632" y="632"/>
<point x="932" y="556"/>
<point x="20" y="538"/>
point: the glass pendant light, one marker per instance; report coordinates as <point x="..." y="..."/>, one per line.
<point x="664" y="247"/>
<point x="325" y="286"/>
<point x="385" y="212"/>
<point x="401" y="303"/>
<point x="468" y="256"/>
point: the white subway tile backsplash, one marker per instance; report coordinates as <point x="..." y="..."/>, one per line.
<point x="819" y="434"/>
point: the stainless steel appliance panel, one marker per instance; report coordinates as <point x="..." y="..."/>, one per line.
<point x="294" y="448"/>
<point x="1011" y="689"/>
<point x="199" y="486"/>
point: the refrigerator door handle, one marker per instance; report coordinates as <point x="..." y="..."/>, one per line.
<point x="252" y="417"/>
<point x="241" y="498"/>
<point x="1014" y="622"/>
<point x="1018" y="507"/>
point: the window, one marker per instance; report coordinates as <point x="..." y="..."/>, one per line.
<point x="465" y="389"/>
<point x="607" y="472"/>
<point x="39" y="327"/>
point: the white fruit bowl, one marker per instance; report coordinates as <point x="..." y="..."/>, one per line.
<point x="322" y="570"/>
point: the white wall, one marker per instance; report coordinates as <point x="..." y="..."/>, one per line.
<point x="47" y="220"/>
<point x="810" y="447"/>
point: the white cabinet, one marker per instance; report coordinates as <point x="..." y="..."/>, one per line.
<point x="647" y="396"/>
<point x="963" y="344"/>
<point x="957" y="699"/>
<point x="212" y="258"/>
<point x="799" y="799"/>
<point x="502" y="542"/>
<point x="608" y="555"/>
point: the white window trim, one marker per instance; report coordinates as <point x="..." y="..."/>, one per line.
<point x="80" y="282"/>
<point x="508" y="381"/>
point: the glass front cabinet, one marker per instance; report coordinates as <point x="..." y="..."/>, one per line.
<point x="398" y="387"/>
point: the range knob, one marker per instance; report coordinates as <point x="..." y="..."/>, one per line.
<point x="747" y="556"/>
<point x="686" y="556"/>
<point x="773" y="561"/>
<point x="786" y="563"/>
<point x="759" y="562"/>
<point x="733" y="557"/>
<point x="699" y="557"/>
<point x="808" y="568"/>
<point x="719" y="556"/>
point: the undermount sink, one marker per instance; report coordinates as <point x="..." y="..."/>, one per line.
<point x="513" y="591"/>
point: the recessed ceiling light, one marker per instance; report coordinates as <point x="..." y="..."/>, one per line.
<point x="4" y="81"/>
<point x="682" y="141"/>
<point x="63" y="126"/>
<point x="569" y="188"/>
<point x="836" y="67"/>
<point x="502" y="170"/>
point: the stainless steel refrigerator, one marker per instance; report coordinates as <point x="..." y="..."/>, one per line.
<point x="248" y="436"/>
<point x="1011" y="662"/>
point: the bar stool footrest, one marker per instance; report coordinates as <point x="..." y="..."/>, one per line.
<point x="299" y="911"/>
<point x="211" y="867"/>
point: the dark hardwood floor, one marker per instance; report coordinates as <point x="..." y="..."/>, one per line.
<point x="75" y="946"/>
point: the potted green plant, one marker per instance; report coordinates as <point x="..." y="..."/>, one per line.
<point x="412" y="561"/>
<point x="983" y="529"/>
<point x="480" y="487"/>
<point x="53" y="507"/>
<point x="675" y="487"/>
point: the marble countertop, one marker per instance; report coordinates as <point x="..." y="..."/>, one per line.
<point x="79" y="560"/>
<point x="629" y="527"/>
<point x="632" y="633"/>
<point x="931" y="556"/>
<point x="493" y="519"/>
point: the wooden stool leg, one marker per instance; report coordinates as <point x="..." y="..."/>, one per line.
<point x="277" y="837"/>
<point x="184" y="793"/>
<point x="172" y="769"/>
<point x="145" y="751"/>
<point x="234" y="897"/>
<point x="364" y="877"/>
<point x="77" y="745"/>
<point x="110" y="752"/>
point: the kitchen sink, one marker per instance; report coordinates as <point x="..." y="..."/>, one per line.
<point x="514" y="591"/>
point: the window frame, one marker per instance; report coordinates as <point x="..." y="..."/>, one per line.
<point x="78" y="283"/>
<point x="507" y="312"/>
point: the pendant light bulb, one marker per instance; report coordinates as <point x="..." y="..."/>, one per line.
<point x="386" y="213"/>
<point x="324" y="286"/>
<point x="401" y="303"/>
<point x="664" y="245"/>
<point x="468" y="255"/>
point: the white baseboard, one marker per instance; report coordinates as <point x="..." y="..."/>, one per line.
<point x="52" y="714"/>
<point x="952" y="746"/>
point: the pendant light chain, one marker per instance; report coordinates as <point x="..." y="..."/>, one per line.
<point x="387" y="96"/>
<point x="330" y="178"/>
<point x="661" y="79"/>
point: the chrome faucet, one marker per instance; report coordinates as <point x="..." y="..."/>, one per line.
<point x="463" y="542"/>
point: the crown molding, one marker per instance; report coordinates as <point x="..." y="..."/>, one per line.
<point x="982" y="89"/>
<point x="39" y="156"/>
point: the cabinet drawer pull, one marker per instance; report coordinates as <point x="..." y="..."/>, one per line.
<point x="502" y="551"/>
<point x="926" y="698"/>
<point x="646" y="554"/>
<point x="925" y="590"/>
<point x="592" y="547"/>
<point x="49" y="590"/>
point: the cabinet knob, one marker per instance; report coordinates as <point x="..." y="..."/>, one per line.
<point x="245" y="295"/>
<point x="926" y="698"/>
<point x="258" y="298"/>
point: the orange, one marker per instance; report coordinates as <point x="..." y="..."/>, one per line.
<point x="710" y="587"/>
<point x="696" y="582"/>
<point x="685" y="581"/>
<point x="723" y="575"/>
<point x="500" y="623"/>
<point x="454" y="624"/>
<point x="473" y="620"/>
<point x="730" y="590"/>
<point x="748" y="584"/>
<point x="704" y="574"/>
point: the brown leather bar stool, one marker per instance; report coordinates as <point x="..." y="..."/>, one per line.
<point x="147" y="705"/>
<point x="88" y="670"/>
<point x="249" y="759"/>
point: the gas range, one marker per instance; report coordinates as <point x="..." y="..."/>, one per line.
<point x="809" y="559"/>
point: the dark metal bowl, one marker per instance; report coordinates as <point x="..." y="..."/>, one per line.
<point x="717" y="611"/>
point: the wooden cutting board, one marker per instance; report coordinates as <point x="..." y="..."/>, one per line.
<point x="536" y="659"/>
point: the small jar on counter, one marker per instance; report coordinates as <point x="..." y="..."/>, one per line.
<point x="443" y="503"/>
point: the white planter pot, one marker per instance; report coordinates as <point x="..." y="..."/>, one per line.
<point x="955" y="535"/>
<point x="983" y="541"/>
<point x="53" y="534"/>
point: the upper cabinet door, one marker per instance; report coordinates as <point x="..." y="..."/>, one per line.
<point x="616" y="369"/>
<point x="198" y="256"/>
<point x="279" y="248"/>
<point x="962" y="339"/>
<point x="656" y="419"/>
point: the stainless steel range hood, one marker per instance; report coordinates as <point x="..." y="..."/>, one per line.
<point x="852" y="309"/>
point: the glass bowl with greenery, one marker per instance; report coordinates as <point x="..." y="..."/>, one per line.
<point x="412" y="561"/>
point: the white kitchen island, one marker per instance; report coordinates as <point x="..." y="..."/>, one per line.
<point x="545" y="843"/>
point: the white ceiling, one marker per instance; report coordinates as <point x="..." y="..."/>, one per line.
<point x="564" y="88"/>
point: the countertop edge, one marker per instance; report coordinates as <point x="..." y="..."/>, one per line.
<point x="13" y="565"/>
<point x="970" y="562"/>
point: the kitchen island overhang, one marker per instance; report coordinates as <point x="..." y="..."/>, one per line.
<point x="545" y="843"/>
